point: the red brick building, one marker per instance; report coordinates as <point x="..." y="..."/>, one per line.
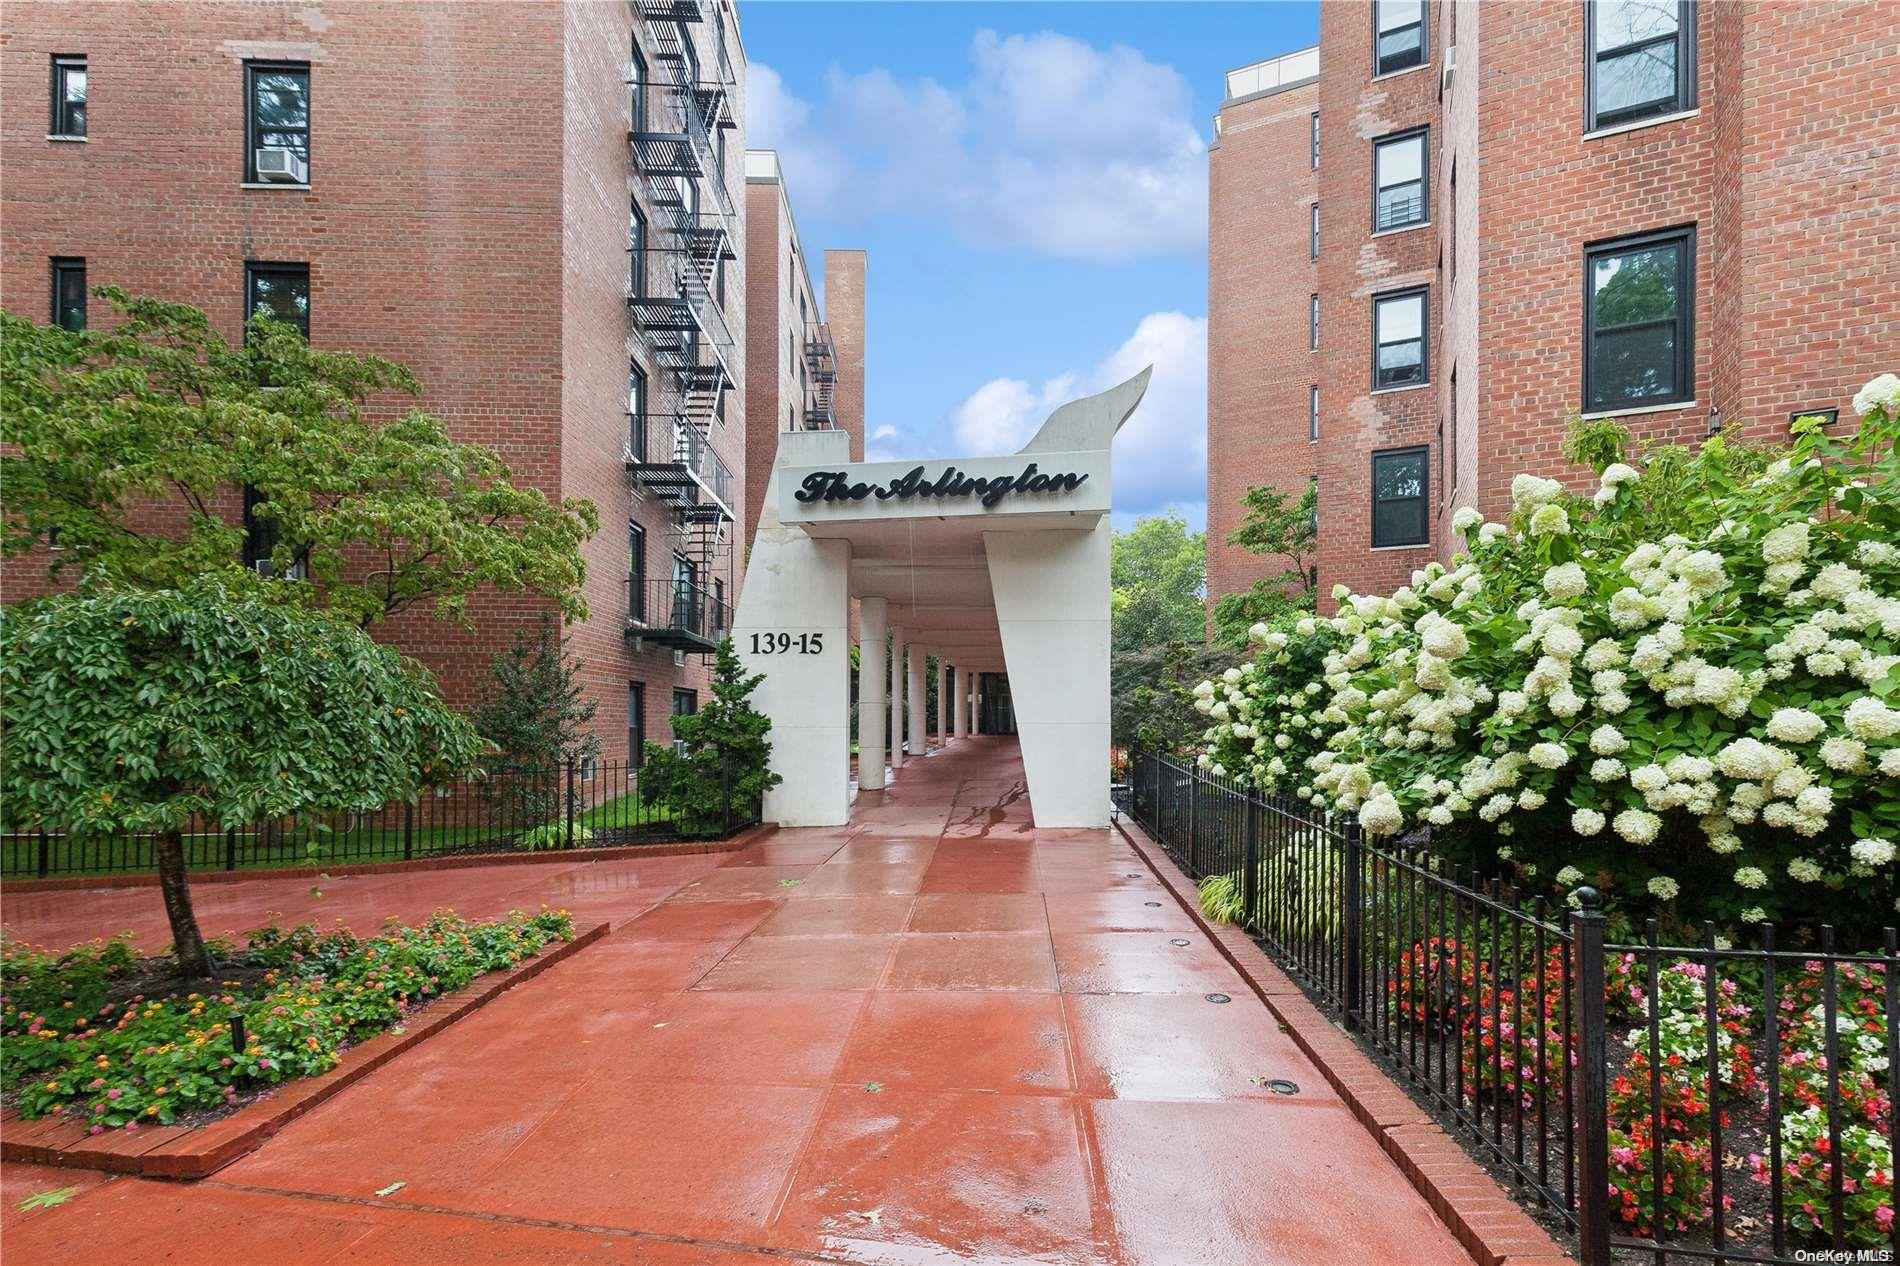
<point x="538" y="207"/>
<point x="793" y="356"/>
<point x="1262" y="283"/>
<point x="1674" y="214"/>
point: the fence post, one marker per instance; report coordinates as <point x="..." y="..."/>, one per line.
<point x="46" y="853"/>
<point x="1250" y="861"/>
<point x="1593" y="1102"/>
<point x="570" y="802"/>
<point x="408" y="829"/>
<point x="1352" y="942"/>
<point x="230" y="848"/>
<point x="1191" y="848"/>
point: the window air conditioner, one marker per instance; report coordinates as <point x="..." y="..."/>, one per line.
<point x="679" y="747"/>
<point x="278" y="165"/>
<point x="1450" y="70"/>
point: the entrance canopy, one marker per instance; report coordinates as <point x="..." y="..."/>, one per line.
<point x="989" y="564"/>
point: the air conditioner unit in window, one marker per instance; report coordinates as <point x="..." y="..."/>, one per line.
<point x="278" y="165"/>
<point x="679" y="747"/>
<point x="1450" y="70"/>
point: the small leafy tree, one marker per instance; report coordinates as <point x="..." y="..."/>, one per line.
<point x="724" y="768"/>
<point x="168" y="710"/>
<point x="136" y="446"/>
<point x="1282" y="530"/>
<point x="535" y="712"/>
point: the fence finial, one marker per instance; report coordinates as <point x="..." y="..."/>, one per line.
<point x="1587" y="898"/>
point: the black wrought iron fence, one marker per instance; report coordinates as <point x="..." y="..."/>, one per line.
<point x="578" y="804"/>
<point x="1688" y="1103"/>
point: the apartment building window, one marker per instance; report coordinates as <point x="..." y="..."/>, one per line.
<point x="1453" y="485"/>
<point x="1315" y="232"/>
<point x="637" y="74"/>
<point x="685" y="702"/>
<point x="1399" y="326"/>
<point x="1398" y="180"/>
<point x="1315" y="140"/>
<point x="69" y="294"/>
<point x="1641" y="61"/>
<point x="1312" y="414"/>
<point x="69" y="96"/>
<point x="1312" y="324"/>
<point x="636" y="412"/>
<point x="636" y="723"/>
<point x="1312" y="516"/>
<point x="1639" y="339"/>
<point x="636" y="572"/>
<point x="276" y="112"/>
<point x="1399" y="487"/>
<point x="1398" y="34"/>
<point x="278" y="290"/>
<point x="636" y="251"/>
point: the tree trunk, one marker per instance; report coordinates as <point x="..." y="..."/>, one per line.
<point x="188" y="943"/>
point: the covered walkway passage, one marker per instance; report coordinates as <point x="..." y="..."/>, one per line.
<point x="937" y="1034"/>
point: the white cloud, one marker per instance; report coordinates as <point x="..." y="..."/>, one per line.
<point x="1161" y="453"/>
<point x="1051" y="145"/>
<point x="885" y="432"/>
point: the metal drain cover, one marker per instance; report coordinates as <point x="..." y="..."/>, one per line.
<point x="1281" y="1086"/>
<point x="1180" y="940"/>
<point x="1218" y="997"/>
<point x="1151" y="903"/>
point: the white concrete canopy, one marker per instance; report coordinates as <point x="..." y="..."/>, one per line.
<point x="991" y="564"/>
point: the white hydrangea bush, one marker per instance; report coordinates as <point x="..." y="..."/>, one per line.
<point x="1697" y="710"/>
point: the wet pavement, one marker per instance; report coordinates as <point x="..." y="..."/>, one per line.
<point x="937" y="1035"/>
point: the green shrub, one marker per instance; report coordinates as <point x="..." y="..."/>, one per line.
<point x="1677" y="689"/>
<point x="552" y="835"/>
<point x="722" y="777"/>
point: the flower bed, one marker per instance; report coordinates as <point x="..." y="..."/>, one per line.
<point x="1677" y="690"/>
<point x="81" y="1036"/>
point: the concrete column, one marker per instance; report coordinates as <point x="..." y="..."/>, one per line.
<point x="944" y="702"/>
<point x="959" y="702"/>
<point x="872" y="670"/>
<point x="897" y="698"/>
<point x="976" y="707"/>
<point x="917" y="699"/>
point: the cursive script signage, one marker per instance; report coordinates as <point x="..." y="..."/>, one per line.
<point x="837" y="485"/>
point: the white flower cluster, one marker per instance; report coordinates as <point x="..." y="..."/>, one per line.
<point x="1727" y="678"/>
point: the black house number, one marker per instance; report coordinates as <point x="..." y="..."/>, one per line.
<point x="788" y="643"/>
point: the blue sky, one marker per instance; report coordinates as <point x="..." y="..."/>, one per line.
<point x="1030" y="183"/>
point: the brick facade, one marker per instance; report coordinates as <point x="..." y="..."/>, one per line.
<point x="1786" y="168"/>
<point x="1260" y="362"/>
<point x="467" y="215"/>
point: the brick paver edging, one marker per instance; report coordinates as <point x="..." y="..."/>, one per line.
<point x="460" y="861"/>
<point x="1493" y="1227"/>
<point x="191" y="1152"/>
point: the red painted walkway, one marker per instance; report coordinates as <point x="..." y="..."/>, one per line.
<point x="938" y="1035"/>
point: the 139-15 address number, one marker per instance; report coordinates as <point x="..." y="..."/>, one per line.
<point x="788" y="643"/>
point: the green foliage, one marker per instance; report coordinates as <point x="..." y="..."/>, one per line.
<point x="167" y="710"/>
<point x="1287" y="534"/>
<point x="130" y="444"/>
<point x="132" y="710"/>
<point x="81" y="1043"/>
<point x="722" y="777"/>
<point x="533" y="707"/>
<point x="552" y="835"/>
<point x="1157" y="576"/>
<point x="1679" y="690"/>
<point x="536" y="714"/>
<point x="1150" y="704"/>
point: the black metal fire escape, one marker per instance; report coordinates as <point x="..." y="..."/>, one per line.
<point x="821" y="359"/>
<point x="675" y="300"/>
